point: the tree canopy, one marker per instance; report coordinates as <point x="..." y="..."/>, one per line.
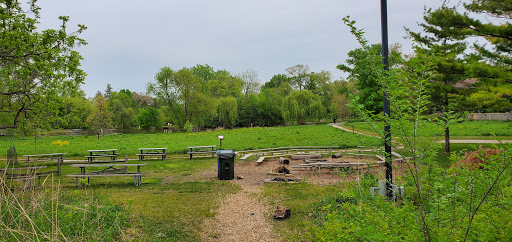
<point x="37" y="68"/>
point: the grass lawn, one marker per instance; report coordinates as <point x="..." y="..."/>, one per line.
<point x="465" y="130"/>
<point x="176" y="198"/>
<point x="177" y="143"/>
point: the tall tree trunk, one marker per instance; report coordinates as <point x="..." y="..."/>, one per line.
<point x="447" y="140"/>
<point x="446" y="129"/>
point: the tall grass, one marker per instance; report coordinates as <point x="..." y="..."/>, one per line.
<point x="35" y="214"/>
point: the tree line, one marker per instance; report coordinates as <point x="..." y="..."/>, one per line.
<point x="41" y="79"/>
<point x="201" y="97"/>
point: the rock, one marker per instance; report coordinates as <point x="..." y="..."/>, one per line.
<point x="282" y="169"/>
<point x="239" y="177"/>
<point x="337" y="155"/>
<point x="284" y="161"/>
<point x="282" y="213"/>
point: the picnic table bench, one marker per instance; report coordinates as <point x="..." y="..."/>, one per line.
<point x="94" y="154"/>
<point x="26" y="174"/>
<point x="208" y="149"/>
<point x="152" y="152"/>
<point x="44" y="157"/>
<point x="320" y="165"/>
<point x="110" y="170"/>
<point x="59" y="157"/>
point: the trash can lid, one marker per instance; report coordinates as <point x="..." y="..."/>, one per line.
<point x="225" y="154"/>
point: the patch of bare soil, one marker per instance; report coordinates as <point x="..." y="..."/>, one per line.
<point x="245" y="216"/>
<point x="477" y="159"/>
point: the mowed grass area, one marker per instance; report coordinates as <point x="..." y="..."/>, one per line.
<point x="177" y="143"/>
<point x="465" y="130"/>
<point x="171" y="204"/>
<point x="177" y="196"/>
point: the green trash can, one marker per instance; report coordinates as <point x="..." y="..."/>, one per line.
<point x="226" y="164"/>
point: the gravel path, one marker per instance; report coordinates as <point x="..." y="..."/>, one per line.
<point x="243" y="216"/>
<point x="246" y="215"/>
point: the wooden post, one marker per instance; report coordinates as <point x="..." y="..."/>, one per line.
<point x="59" y="164"/>
<point x="126" y="162"/>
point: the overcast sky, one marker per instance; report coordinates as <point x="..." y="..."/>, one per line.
<point x="129" y="41"/>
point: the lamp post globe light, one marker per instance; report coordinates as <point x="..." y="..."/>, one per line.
<point x="220" y="139"/>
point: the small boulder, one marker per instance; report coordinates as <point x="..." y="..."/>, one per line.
<point x="282" y="213"/>
<point x="282" y="169"/>
<point x="284" y="161"/>
<point x="337" y="155"/>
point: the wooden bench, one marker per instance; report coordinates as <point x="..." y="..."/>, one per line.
<point x="110" y="170"/>
<point x="59" y="157"/>
<point x="320" y="165"/>
<point x="208" y="149"/>
<point x="44" y="157"/>
<point x="27" y="174"/>
<point x="95" y="154"/>
<point x="162" y="152"/>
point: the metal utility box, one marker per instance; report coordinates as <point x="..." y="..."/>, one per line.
<point x="226" y="164"/>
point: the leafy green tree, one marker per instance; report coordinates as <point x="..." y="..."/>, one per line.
<point x="37" y="68"/>
<point x="121" y="104"/>
<point x="101" y="117"/>
<point x="359" y="68"/>
<point x="250" y="111"/>
<point x="225" y="85"/>
<point x="164" y="86"/>
<point x="149" y="118"/>
<point x="299" y="76"/>
<point x="77" y="109"/>
<point x="228" y="112"/>
<point x="276" y="81"/>
<point x="302" y="106"/>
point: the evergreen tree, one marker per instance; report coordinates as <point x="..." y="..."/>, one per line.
<point x="444" y="47"/>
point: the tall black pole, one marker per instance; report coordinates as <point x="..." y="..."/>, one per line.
<point x="387" y="128"/>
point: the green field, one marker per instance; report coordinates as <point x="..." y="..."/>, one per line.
<point x="177" y="143"/>
<point x="174" y="200"/>
<point x="464" y="130"/>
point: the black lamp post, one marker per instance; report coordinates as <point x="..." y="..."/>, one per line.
<point x="387" y="127"/>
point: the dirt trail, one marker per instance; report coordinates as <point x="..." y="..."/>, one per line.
<point x="243" y="216"/>
<point x="246" y="215"/>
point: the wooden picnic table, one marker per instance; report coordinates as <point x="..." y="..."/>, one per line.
<point x="28" y="173"/>
<point x="152" y="152"/>
<point x="44" y="157"/>
<point x="110" y="170"/>
<point x="111" y="153"/>
<point x="59" y="157"/>
<point x="207" y="149"/>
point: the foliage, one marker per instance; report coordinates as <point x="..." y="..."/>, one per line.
<point x="302" y="106"/>
<point x="100" y="117"/>
<point x="439" y="204"/>
<point x="149" y="118"/>
<point x="52" y="215"/>
<point x="360" y="69"/>
<point x="37" y="68"/>
<point x="228" y="112"/>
